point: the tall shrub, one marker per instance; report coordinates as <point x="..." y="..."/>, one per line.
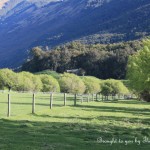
<point x="50" y="84"/>
<point x="71" y="83"/>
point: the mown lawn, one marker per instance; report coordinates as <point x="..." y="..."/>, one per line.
<point x="73" y="128"/>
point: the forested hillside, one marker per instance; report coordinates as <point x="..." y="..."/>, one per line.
<point x="28" y="23"/>
<point x="103" y="61"/>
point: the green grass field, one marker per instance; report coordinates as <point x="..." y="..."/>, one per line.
<point x="75" y="128"/>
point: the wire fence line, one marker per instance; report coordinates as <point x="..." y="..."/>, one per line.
<point x="17" y="103"/>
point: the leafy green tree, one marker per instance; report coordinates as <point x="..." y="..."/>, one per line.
<point x="50" y="84"/>
<point x="29" y="82"/>
<point x="106" y="88"/>
<point x="92" y="84"/>
<point x="8" y="79"/>
<point x="71" y="83"/>
<point x="37" y="83"/>
<point x="118" y="87"/>
<point x="24" y="82"/>
<point x="113" y="87"/>
<point x="99" y="60"/>
<point x="139" y="71"/>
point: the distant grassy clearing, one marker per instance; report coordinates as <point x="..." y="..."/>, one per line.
<point x="74" y="127"/>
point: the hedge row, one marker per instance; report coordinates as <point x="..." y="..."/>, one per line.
<point x="25" y="81"/>
<point x="68" y="83"/>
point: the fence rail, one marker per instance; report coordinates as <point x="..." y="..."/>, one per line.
<point x="15" y="103"/>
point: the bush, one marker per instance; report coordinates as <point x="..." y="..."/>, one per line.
<point x="24" y="82"/>
<point x="113" y="87"/>
<point x="50" y="84"/>
<point x="8" y="79"/>
<point x="71" y="83"/>
<point x="29" y="82"/>
<point x="92" y="84"/>
<point x="37" y="83"/>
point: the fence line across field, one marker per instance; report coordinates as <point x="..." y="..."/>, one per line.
<point x="75" y="97"/>
<point x="53" y="97"/>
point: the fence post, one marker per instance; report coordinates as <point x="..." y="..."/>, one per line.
<point x="88" y="98"/>
<point x="82" y="99"/>
<point x="8" y="115"/>
<point x="33" y="104"/>
<point x="51" y="100"/>
<point x="64" y="99"/>
<point x="75" y="99"/>
<point x="92" y="97"/>
<point x="99" y="96"/>
<point x="96" y="97"/>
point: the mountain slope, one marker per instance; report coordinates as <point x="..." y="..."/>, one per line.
<point x="28" y="23"/>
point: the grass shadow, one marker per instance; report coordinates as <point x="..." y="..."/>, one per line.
<point x="65" y="136"/>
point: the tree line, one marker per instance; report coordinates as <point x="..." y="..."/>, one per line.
<point x="102" y="61"/>
<point x="67" y="83"/>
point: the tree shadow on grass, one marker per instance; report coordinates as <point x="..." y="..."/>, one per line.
<point x="109" y="109"/>
<point x="127" y="120"/>
<point x="134" y="111"/>
<point x="36" y="104"/>
<point x="137" y="102"/>
<point x="65" y="136"/>
<point x="64" y="117"/>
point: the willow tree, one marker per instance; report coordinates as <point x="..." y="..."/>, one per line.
<point x="138" y="72"/>
<point x="113" y="87"/>
<point x="8" y="79"/>
<point x="92" y="84"/>
<point x="29" y="82"/>
<point x="71" y="83"/>
<point x="50" y="84"/>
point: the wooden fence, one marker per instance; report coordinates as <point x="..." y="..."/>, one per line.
<point x="65" y="97"/>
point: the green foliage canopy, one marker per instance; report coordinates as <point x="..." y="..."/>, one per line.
<point x="92" y="84"/>
<point x="99" y="60"/>
<point x="70" y="83"/>
<point x="50" y="84"/>
<point x="8" y="79"/>
<point x="25" y="82"/>
<point x="139" y="70"/>
<point x="29" y="82"/>
<point x="114" y="87"/>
